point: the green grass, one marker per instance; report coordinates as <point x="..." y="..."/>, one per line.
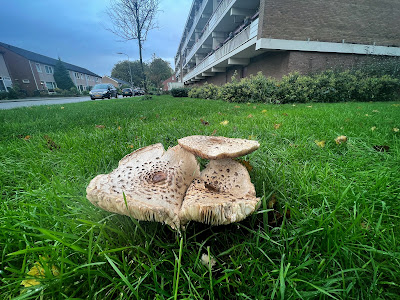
<point x="341" y="241"/>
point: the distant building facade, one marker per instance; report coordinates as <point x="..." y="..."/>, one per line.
<point x="114" y="81"/>
<point x="171" y="83"/>
<point x="34" y="72"/>
<point x="277" y="37"/>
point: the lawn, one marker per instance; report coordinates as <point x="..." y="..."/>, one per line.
<point x="328" y="226"/>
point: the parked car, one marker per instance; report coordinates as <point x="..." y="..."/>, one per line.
<point x="103" y="90"/>
<point x="127" y="92"/>
<point x="138" y="92"/>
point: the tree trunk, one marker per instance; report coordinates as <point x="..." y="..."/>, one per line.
<point x="141" y="64"/>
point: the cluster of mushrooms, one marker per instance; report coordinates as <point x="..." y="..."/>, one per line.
<point x="152" y="184"/>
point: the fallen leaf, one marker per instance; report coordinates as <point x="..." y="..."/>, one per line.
<point x="373" y="128"/>
<point x="254" y="107"/>
<point x="341" y="139"/>
<point x="224" y="122"/>
<point x="130" y="146"/>
<point x="157" y="116"/>
<point x="214" y="132"/>
<point x="250" y="116"/>
<point x="375" y="111"/>
<point x="62" y="107"/>
<point x="27" y="138"/>
<point x="276" y="126"/>
<point x="320" y="143"/>
<point x="293" y="104"/>
<point x="293" y="145"/>
<point x="264" y="111"/>
<point x="100" y="126"/>
<point x="382" y="148"/>
<point x="396" y="129"/>
<point x="309" y="106"/>
<point x="367" y="115"/>
<point x="50" y="143"/>
<point x="237" y="106"/>
<point x="396" y="105"/>
<point x="119" y="127"/>
<point x="251" y="137"/>
<point x="143" y="118"/>
<point x="205" y="123"/>
<point x="38" y="271"/>
<point x="285" y="114"/>
<point x="272" y="202"/>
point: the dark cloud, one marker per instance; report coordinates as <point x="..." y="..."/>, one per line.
<point x="76" y="31"/>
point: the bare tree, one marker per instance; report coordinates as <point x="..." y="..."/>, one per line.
<point x="132" y="20"/>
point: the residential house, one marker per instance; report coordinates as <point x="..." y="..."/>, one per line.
<point x="171" y="83"/>
<point x="34" y="72"/>
<point x="114" y="81"/>
<point x="276" y="37"/>
<point x="5" y="79"/>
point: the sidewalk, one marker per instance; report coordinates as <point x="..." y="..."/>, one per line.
<point x="42" y="99"/>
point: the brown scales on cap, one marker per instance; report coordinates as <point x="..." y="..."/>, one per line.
<point x="154" y="182"/>
<point x="217" y="147"/>
<point x="222" y="195"/>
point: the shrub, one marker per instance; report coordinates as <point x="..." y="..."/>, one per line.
<point x="180" y="92"/>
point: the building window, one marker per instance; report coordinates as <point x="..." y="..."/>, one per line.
<point x="38" y="68"/>
<point x="50" y="85"/>
<point x="49" y="70"/>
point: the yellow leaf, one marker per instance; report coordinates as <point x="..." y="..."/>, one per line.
<point x="375" y="110"/>
<point x="251" y="137"/>
<point x="367" y="115"/>
<point x="276" y="126"/>
<point x="320" y="143"/>
<point x="396" y="129"/>
<point x="130" y="146"/>
<point x="38" y="272"/>
<point x="250" y="116"/>
<point x="341" y="139"/>
<point x="373" y="128"/>
<point x="264" y="111"/>
<point x="237" y="106"/>
<point x="119" y="127"/>
<point x="27" y="137"/>
<point x="62" y="107"/>
<point x="224" y="122"/>
<point x="309" y="106"/>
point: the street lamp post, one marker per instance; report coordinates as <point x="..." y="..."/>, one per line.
<point x="130" y="71"/>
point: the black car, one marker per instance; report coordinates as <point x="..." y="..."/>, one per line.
<point x="103" y="90"/>
<point x="127" y="92"/>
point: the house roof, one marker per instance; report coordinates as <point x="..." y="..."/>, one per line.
<point x="45" y="59"/>
<point x="118" y="80"/>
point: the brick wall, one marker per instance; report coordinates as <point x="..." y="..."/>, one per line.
<point x="360" y="22"/>
<point x="19" y="69"/>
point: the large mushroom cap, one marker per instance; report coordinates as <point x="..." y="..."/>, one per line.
<point x="153" y="180"/>
<point x="217" y="147"/>
<point x="222" y="195"/>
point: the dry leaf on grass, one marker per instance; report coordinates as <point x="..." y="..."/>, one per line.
<point x="50" y="143"/>
<point x="276" y="126"/>
<point x="100" y="126"/>
<point x="396" y="129"/>
<point x="320" y="143"/>
<point x="373" y="128"/>
<point x="208" y="261"/>
<point x="341" y="139"/>
<point x="381" y="148"/>
<point x="205" y="123"/>
<point x="224" y="122"/>
<point x="250" y="116"/>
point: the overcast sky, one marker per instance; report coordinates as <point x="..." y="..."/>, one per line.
<point x="75" y="30"/>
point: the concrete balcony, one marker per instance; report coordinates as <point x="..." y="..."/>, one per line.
<point x="236" y="51"/>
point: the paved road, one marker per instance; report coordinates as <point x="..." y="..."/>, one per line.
<point x="8" y="104"/>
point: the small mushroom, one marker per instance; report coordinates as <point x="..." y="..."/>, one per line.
<point x="223" y="194"/>
<point x="154" y="182"/>
<point x="217" y="147"/>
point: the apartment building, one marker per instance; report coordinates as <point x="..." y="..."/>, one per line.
<point x="34" y="72"/>
<point x="277" y="37"/>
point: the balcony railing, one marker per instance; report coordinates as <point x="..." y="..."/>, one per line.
<point x="195" y="21"/>
<point x="245" y="35"/>
<point x="209" y="27"/>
